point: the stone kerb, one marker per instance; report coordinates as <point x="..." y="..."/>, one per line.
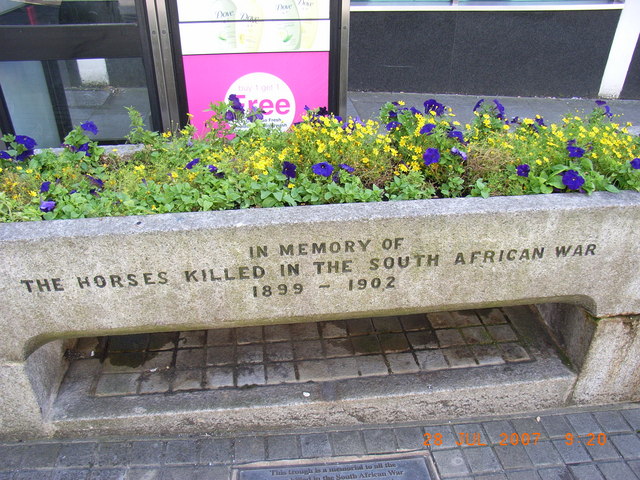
<point x="219" y="269"/>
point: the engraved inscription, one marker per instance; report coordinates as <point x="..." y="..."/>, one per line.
<point x="346" y="265"/>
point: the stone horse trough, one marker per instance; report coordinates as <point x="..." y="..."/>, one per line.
<point x="564" y="267"/>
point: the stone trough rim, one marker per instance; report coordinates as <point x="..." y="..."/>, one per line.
<point x="256" y="217"/>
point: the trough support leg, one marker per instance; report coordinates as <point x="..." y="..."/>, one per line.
<point x="20" y="412"/>
<point x="28" y="389"/>
<point x="611" y="368"/>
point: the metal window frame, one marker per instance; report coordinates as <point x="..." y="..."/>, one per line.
<point x="162" y="21"/>
<point x="482" y="6"/>
<point x="51" y="43"/>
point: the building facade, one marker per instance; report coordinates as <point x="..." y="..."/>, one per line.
<point x="64" y="62"/>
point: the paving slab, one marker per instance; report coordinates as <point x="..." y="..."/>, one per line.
<point x="235" y="456"/>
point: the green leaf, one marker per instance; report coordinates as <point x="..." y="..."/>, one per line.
<point x="556" y="182"/>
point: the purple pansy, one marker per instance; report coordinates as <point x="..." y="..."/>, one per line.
<point x="84" y="148"/>
<point x="500" y="109"/>
<point x="254" y="114"/>
<point x="572" y="180"/>
<point x="229" y="116"/>
<point x="523" y="170"/>
<point x="5" y="155"/>
<point x="459" y="153"/>
<point x="235" y="103"/>
<point x="393" y="125"/>
<point x="607" y="110"/>
<point x="575" y="152"/>
<point x="434" y="106"/>
<point x="90" y="127"/>
<point x="28" y="142"/>
<point x="457" y="135"/>
<point x="635" y="163"/>
<point x="45" y="187"/>
<point x="24" y="155"/>
<point x="192" y="163"/>
<point x="47" y="205"/>
<point x="289" y="169"/>
<point x="213" y="169"/>
<point x="347" y="168"/>
<point x="431" y="155"/>
<point x="96" y="181"/>
<point x="427" y="129"/>
<point x="323" y="169"/>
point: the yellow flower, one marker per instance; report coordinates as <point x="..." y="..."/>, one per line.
<point x="33" y="194"/>
<point x="538" y="162"/>
<point x="28" y="170"/>
<point x="505" y="127"/>
<point x="291" y="185"/>
<point x="18" y="167"/>
<point x="166" y="134"/>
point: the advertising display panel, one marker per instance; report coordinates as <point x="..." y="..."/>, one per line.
<point x="274" y="55"/>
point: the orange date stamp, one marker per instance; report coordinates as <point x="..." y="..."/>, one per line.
<point x="475" y="439"/>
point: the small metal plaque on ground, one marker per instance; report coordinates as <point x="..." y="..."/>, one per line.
<point x="387" y="468"/>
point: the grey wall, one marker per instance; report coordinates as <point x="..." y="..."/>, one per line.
<point x="632" y="85"/>
<point x="559" y="54"/>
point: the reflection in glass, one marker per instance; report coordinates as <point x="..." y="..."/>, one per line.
<point x="46" y="99"/>
<point x="24" y="87"/>
<point x="59" y="12"/>
<point x="100" y="89"/>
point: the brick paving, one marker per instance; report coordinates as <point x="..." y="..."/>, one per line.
<point x="547" y="445"/>
<point x="160" y="363"/>
<point x="576" y="443"/>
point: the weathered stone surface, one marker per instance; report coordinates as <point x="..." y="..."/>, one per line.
<point x="611" y="369"/>
<point x="204" y="270"/>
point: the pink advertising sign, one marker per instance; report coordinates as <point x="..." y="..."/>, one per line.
<point x="272" y="54"/>
<point x="281" y="84"/>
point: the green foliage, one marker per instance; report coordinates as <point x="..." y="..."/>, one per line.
<point x="241" y="161"/>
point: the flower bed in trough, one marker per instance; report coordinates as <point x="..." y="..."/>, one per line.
<point x="241" y="162"/>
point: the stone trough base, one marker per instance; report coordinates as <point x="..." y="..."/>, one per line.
<point x="392" y="369"/>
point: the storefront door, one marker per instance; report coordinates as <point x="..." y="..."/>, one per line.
<point x="65" y="62"/>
